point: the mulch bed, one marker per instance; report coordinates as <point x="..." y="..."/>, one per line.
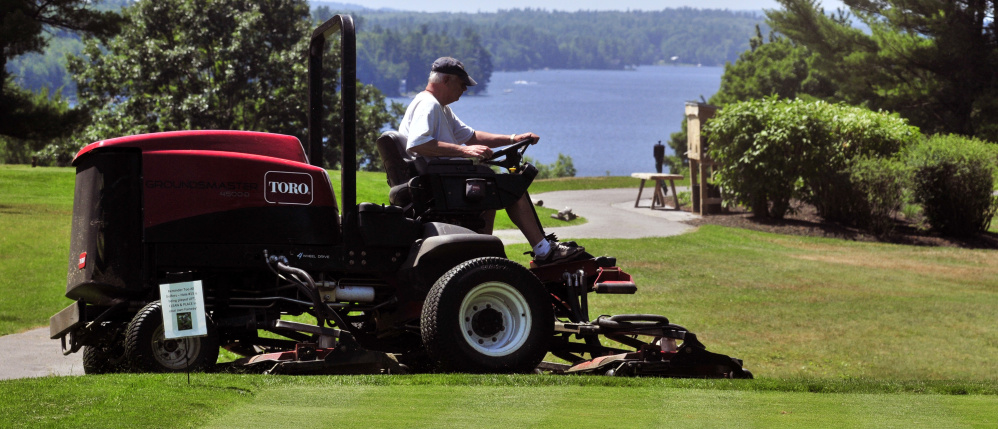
<point x="806" y="222"/>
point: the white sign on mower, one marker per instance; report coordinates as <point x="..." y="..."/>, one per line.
<point x="183" y="310"/>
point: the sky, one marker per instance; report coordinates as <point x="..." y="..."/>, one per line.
<point x="572" y="5"/>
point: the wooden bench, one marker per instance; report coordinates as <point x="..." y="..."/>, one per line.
<point x="658" y="199"/>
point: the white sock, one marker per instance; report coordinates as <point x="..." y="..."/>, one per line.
<point x="542" y="249"/>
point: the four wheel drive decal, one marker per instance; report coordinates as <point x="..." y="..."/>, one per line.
<point x="281" y="187"/>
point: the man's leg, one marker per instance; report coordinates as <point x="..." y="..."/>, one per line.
<point x="489" y="217"/>
<point x="522" y="214"/>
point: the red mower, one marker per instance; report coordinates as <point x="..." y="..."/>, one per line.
<point x="400" y="288"/>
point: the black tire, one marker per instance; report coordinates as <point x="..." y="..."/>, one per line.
<point x="148" y="350"/>
<point x="106" y="359"/>
<point x="487" y="315"/>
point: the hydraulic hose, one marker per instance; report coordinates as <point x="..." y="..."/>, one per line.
<point x="322" y="311"/>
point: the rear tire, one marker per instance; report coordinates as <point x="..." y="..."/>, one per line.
<point x="148" y="349"/>
<point x="487" y="315"/>
<point x="106" y="359"/>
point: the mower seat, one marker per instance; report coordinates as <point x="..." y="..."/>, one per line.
<point x="450" y="190"/>
<point x="400" y="168"/>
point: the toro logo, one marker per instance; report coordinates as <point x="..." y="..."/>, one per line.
<point x="281" y="187"/>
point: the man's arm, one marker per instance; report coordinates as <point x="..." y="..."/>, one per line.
<point x="478" y="146"/>
<point x="443" y="149"/>
<point x="498" y="140"/>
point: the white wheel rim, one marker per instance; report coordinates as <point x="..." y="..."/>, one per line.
<point x="174" y="354"/>
<point x="495" y="319"/>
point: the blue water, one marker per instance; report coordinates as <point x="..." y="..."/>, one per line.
<point x="607" y="121"/>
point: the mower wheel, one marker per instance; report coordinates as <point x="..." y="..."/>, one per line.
<point x="149" y="350"/>
<point x="106" y="359"/>
<point x="487" y="315"/>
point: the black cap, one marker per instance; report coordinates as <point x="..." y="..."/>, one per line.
<point x="448" y="65"/>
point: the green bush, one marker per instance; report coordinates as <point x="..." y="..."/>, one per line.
<point x="880" y="186"/>
<point x="952" y="177"/>
<point x="772" y="151"/>
<point x="853" y="134"/>
<point x="757" y="153"/>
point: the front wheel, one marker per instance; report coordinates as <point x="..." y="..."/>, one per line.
<point x="487" y="315"/>
<point x="149" y="350"/>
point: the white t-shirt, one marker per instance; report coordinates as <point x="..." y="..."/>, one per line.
<point x="426" y="119"/>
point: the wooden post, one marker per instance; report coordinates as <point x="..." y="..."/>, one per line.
<point x="701" y="166"/>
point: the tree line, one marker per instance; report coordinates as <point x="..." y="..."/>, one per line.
<point x="400" y="45"/>
<point x="398" y="62"/>
<point x="523" y="39"/>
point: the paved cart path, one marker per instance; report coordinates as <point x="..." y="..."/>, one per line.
<point x="610" y="214"/>
<point x="33" y="354"/>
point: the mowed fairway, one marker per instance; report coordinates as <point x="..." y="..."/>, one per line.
<point x="589" y="407"/>
<point x="837" y="333"/>
<point x="462" y="401"/>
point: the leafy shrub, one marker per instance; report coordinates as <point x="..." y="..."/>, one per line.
<point x="952" y="177"/>
<point x="772" y="151"/>
<point x="685" y="198"/>
<point x="880" y="186"/>
<point x="855" y="133"/>
<point x="756" y="150"/>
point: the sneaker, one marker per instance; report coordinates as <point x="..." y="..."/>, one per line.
<point x="561" y="252"/>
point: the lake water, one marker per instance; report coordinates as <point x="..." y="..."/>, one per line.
<point x="606" y="120"/>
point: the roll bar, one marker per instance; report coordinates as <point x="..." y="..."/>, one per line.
<point x="348" y="97"/>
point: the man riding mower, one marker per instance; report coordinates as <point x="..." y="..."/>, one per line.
<point x="255" y="229"/>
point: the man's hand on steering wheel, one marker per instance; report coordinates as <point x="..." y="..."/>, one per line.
<point x="477" y="151"/>
<point x="511" y="156"/>
<point x="516" y="138"/>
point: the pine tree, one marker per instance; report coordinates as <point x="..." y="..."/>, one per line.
<point x="23" y="115"/>
<point x="933" y="61"/>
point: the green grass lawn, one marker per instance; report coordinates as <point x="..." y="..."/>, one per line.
<point x="36" y="206"/>
<point x="461" y="401"/>
<point x="838" y="333"/>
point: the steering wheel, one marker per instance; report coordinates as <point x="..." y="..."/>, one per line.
<point x="512" y="155"/>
